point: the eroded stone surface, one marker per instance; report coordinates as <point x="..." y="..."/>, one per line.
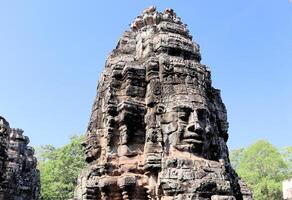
<point x="158" y="129"/>
<point x="19" y="176"/>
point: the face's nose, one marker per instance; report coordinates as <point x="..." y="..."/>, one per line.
<point x="83" y="144"/>
<point x="195" y="127"/>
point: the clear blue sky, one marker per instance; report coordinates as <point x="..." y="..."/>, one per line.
<point x="52" y="52"/>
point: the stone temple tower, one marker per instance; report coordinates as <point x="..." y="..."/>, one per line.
<point x="158" y="129"/>
<point x="19" y="177"/>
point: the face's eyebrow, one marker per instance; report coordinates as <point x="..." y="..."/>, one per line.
<point x="183" y="108"/>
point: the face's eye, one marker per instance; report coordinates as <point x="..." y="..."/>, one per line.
<point x="202" y="114"/>
<point x="160" y="109"/>
<point x="184" y="116"/>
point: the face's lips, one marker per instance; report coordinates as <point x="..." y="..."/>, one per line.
<point x="192" y="137"/>
<point x="192" y="141"/>
<point x="87" y="149"/>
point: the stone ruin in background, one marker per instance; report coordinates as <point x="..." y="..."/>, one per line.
<point x="20" y="180"/>
<point x="287" y="189"/>
<point x="158" y="129"/>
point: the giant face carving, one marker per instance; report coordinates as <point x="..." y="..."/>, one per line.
<point x="188" y="127"/>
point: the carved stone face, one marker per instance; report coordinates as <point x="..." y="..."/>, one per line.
<point x="188" y="128"/>
<point x="91" y="148"/>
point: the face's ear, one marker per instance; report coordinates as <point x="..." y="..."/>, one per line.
<point x="222" y="126"/>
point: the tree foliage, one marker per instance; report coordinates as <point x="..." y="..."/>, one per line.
<point x="287" y="152"/>
<point x="235" y="157"/>
<point x="263" y="168"/>
<point x="59" y="169"/>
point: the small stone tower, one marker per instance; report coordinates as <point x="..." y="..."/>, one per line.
<point x="20" y="180"/>
<point x="158" y="129"/>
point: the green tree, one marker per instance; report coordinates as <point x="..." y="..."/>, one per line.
<point x="263" y="168"/>
<point x="235" y="157"/>
<point x="287" y="153"/>
<point x="59" y="169"/>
